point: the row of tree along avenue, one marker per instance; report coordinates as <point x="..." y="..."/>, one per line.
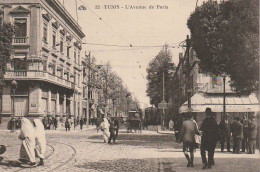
<point x="225" y="39"/>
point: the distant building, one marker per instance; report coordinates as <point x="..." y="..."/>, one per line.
<point x="207" y="91"/>
<point x="46" y="62"/>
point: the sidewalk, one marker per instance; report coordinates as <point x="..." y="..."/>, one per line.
<point x="61" y="129"/>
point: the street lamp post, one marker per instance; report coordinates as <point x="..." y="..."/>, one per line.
<point x="13" y="87"/>
<point x="224" y="96"/>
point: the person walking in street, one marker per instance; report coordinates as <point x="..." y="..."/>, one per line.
<point x="44" y="121"/>
<point x="225" y="133"/>
<point x="245" y="134"/>
<point x="252" y="133"/>
<point x="237" y="133"/>
<point x="209" y="139"/>
<point x="187" y="137"/>
<point x="171" y="125"/>
<point x="27" y="135"/>
<point x="178" y="128"/>
<point x="40" y="140"/>
<point x="67" y="125"/>
<point x="112" y="130"/>
<point x="81" y="123"/>
<point x="104" y="127"/>
<point x="116" y="122"/>
<point x="55" y="122"/>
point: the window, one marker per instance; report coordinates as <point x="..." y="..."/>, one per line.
<point x="20" y="64"/>
<point x="20" y="28"/>
<point x="68" y="51"/>
<point x="54" y="39"/>
<point x="79" y="57"/>
<point x="75" y="55"/>
<point x="45" y="32"/>
<point x="61" y="44"/>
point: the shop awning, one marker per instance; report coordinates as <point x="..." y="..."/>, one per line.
<point x="201" y="101"/>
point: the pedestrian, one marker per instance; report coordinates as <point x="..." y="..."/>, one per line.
<point x="209" y="139"/>
<point x="18" y="123"/>
<point x="171" y="125"/>
<point x="112" y="130"/>
<point x="67" y="125"/>
<point x="178" y="128"/>
<point x="104" y="127"/>
<point x="187" y="136"/>
<point x="81" y="123"/>
<point x="252" y="133"/>
<point x="55" y="123"/>
<point x="225" y="133"/>
<point x="245" y="134"/>
<point x="27" y="135"/>
<point x="44" y="121"/>
<point x="237" y="133"/>
<point x="85" y="120"/>
<point x="116" y="122"/>
<point x="2" y="151"/>
<point x="145" y="123"/>
<point x="40" y="140"/>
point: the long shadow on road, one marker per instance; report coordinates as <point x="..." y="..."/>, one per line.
<point x="144" y="140"/>
<point x="171" y="165"/>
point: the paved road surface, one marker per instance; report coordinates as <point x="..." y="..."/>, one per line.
<point x="149" y="151"/>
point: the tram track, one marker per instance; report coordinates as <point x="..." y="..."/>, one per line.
<point x="54" y="160"/>
<point x="67" y="161"/>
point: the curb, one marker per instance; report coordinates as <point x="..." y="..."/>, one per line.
<point x="58" y="130"/>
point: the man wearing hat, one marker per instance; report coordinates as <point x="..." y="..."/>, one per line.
<point x="225" y="133"/>
<point x="210" y="136"/>
<point x="252" y="133"/>
<point x="237" y="133"/>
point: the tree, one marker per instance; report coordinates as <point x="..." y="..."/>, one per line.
<point x="6" y="35"/>
<point x="225" y="38"/>
<point x="159" y="65"/>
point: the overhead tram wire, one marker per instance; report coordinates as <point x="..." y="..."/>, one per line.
<point x="129" y="44"/>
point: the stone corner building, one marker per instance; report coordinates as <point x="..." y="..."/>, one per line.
<point x="46" y="62"/>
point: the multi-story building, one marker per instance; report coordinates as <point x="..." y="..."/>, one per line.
<point x="208" y="91"/>
<point x="46" y="62"/>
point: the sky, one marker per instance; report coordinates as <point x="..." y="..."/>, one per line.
<point x="122" y="26"/>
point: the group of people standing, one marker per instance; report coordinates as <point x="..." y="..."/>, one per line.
<point x="33" y="141"/>
<point x="210" y="133"/>
<point x="243" y="132"/>
<point x="50" y="123"/>
<point x="110" y="129"/>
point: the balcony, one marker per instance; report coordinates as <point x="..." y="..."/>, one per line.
<point x="38" y="75"/>
<point x="20" y="40"/>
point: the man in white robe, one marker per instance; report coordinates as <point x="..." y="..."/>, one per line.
<point x="40" y="139"/>
<point x="27" y="135"/>
<point x="104" y="126"/>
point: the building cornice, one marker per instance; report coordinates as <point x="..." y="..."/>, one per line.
<point x="57" y="6"/>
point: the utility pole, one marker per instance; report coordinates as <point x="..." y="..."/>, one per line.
<point x="188" y="73"/>
<point x="163" y="99"/>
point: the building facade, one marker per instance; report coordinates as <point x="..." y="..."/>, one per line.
<point x="208" y="91"/>
<point x="46" y="62"/>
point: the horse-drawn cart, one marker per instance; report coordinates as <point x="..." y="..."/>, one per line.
<point x="134" y="122"/>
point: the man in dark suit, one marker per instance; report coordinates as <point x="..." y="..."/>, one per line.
<point x="225" y="133"/>
<point x="245" y="123"/>
<point x="237" y="133"/>
<point x="210" y="136"/>
<point x="252" y="133"/>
